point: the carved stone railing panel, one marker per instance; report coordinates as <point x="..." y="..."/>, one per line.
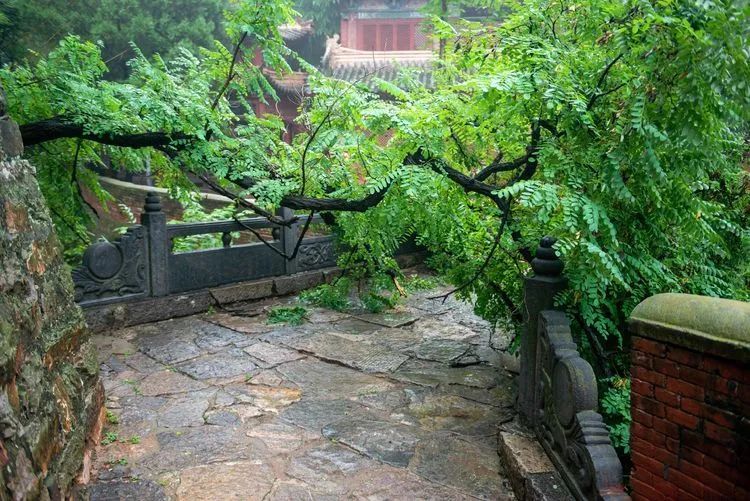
<point x="319" y="252"/>
<point x="142" y="262"/>
<point x="115" y="270"/>
<point x="558" y="395"/>
<point x="571" y="431"/>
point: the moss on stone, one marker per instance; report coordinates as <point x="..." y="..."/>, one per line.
<point x="702" y="323"/>
<point x="48" y="368"/>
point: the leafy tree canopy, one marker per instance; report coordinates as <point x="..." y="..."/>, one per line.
<point x="618" y="127"/>
<point x="36" y="27"/>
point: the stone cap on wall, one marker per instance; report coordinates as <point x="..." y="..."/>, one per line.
<point x="705" y="324"/>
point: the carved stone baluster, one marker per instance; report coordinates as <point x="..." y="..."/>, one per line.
<point x="540" y="290"/>
<point x="289" y="237"/>
<point x="226" y="239"/>
<point x="155" y="222"/>
<point x="568" y="426"/>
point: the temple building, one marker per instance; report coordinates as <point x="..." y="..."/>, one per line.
<point x="378" y="38"/>
<point x="383" y="25"/>
<point x="291" y="88"/>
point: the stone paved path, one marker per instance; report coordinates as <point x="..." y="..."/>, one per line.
<point x="398" y="405"/>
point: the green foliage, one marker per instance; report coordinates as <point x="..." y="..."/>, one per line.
<point x="193" y="213"/>
<point x="291" y="316"/>
<point x="109" y="438"/>
<point x="641" y="110"/>
<point x="334" y="296"/>
<point x="375" y="293"/>
<point x="638" y="169"/>
<point x="375" y="302"/>
<point x="179" y="96"/>
<point x="112" y="418"/>
<point x="379" y="293"/>
<point x="418" y="283"/>
<point x="36" y="26"/>
<point x="615" y="406"/>
<point x="631" y="116"/>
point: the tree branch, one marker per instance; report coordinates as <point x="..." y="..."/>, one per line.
<point x="230" y="74"/>
<point x="596" y="95"/>
<point x="62" y="128"/>
<point x="247" y="203"/>
<point x="335" y="204"/>
<point x="528" y="159"/>
<point x="497" y="166"/>
<point x="490" y="255"/>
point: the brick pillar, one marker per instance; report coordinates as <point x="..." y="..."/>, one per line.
<point x="50" y="394"/>
<point x="690" y="437"/>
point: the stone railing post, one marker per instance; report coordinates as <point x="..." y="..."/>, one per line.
<point x="690" y="398"/>
<point x="539" y="292"/>
<point x="289" y="235"/>
<point x="155" y="222"/>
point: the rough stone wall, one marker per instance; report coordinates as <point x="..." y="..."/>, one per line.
<point x="50" y="394"/>
<point x="690" y="437"/>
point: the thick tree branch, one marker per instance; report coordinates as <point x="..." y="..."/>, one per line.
<point x="497" y="166"/>
<point x="62" y="128"/>
<point x="335" y="204"/>
<point x="528" y="160"/>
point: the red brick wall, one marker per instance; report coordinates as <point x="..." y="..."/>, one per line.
<point x="691" y="431"/>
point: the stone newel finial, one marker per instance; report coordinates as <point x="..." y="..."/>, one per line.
<point x="153" y="203"/>
<point x="546" y="261"/>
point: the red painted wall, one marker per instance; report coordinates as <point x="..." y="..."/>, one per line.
<point x="690" y="437"/>
<point x="380" y="34"/>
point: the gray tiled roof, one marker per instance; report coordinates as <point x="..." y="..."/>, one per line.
<point x="366" y="72"/>
<point x="291" y="32"/>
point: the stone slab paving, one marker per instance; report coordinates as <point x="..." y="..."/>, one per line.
<point x="405" y="404"/>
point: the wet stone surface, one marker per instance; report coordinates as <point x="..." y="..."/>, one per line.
<point x="403" y="404"/>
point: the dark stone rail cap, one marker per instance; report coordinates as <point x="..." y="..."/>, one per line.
<point x="717" y="326"/>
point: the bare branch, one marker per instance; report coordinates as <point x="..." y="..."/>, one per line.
<point x="596" y="95"/>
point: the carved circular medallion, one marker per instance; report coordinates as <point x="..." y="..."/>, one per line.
<point x="103" y="260"/>
<point x="573" y="389"/>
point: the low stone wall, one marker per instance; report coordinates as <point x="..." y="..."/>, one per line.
<point x="118" y="315"/>
<point x="690" y="398"/>
<point x="50" y="394"/>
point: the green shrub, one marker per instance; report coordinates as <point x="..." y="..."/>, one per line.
<point x="333" y="296"/>
<point x="615" y="406"/>
<point x="290" y="316"/>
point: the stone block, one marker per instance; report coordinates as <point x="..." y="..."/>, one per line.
<point x="530" y="471"/>
<point x="10" y="139"/>
<point x="297" y="282"/>
<point x="257" y="289"/>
